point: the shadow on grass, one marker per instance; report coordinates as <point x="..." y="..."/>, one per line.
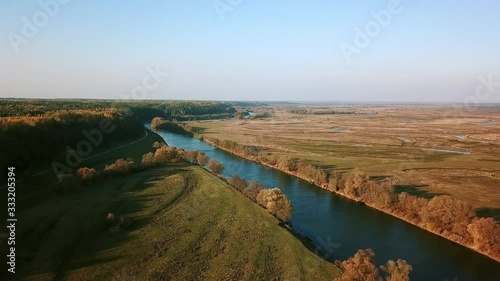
<point x="414" y="189"/>
<point x="308" y="243"/>
<point x="199" y="130"/>
<point x="326" y="167"/>
<point x="489" y="212"/>
<point x="379" y="178"/>
<point x="83" y="234"/>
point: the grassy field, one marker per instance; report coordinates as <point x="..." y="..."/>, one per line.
<point x="385" y="140"/>
<point x="185" y="224"/>
<point x="180" y="223"/>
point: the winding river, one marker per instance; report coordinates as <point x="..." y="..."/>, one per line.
<point x="339" y="227"/>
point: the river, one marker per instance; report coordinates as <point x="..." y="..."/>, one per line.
<point x="339" y="226"/>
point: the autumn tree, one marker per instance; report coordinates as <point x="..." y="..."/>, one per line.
<point x="87" y="175"/>
<point x="397" y="270"/>
<point x="411" y="206"/>
<point x="120" y="167"/>
<point x="356" y="184"/>
<point x="360" y="267"/>
<point x="148" y="159"/>
<point x="447" y="214"/>
<point x="238" y="183"/>
<point x="215" y="166"/>
<point x="191" y="156"/>
<point x="158" y="144"/>
<point x="334" y="181"/>
<point x="165" y="154"/>
<point x="253" y="189"/>
<point x="201" y="158"/>
<point x="485" y="234"/>
<point x="287" y="163"/>
<point x="276" y="203"/>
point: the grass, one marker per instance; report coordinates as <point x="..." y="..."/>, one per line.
<point x="373" y="144"/>
<point x="186" y="224"/>
<point x="134" y="151"/>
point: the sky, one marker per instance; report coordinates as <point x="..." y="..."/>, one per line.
<point x="307" y="50"/>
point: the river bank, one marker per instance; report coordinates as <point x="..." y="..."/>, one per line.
<point x="325" y="187"/>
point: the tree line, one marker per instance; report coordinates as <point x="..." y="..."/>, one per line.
<point x="33" y="142"/>
<point x="37" y="132"/>
<point x="144" y="110"/>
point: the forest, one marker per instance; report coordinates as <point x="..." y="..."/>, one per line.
<point x="38" y="132"/>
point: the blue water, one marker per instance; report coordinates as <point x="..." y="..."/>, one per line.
<point x="339" y="227"/>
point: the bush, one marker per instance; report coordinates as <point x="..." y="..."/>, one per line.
<point x="215" y="166"/>
<point x="201" y="158"/>
<point x="287" y="163"/>
<point x="87" y="175"/>
<point x="485" y="234"/>
<point x="238" y="183"/>
<point x="191" y="156"/>
<point x="276" y="203"/>
<point x="165" y="154"/>
<point x="362" y="267"/>
<point x="158" y="144"/>
<point x="148" y="159"/>
<point x="356" y="184"/>
<point x="120" y="167"/>
<point x="252" y="190"/>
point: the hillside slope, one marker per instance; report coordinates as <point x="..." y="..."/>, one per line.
<point x="182" y="223"/>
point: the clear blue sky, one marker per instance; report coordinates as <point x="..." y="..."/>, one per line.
<point x="259" y="50"/>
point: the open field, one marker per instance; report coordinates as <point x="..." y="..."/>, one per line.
<point x="184" y="223"/>
<point x="393" y="140"/>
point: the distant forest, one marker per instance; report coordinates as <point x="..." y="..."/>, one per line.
<point x="36" y="132"/>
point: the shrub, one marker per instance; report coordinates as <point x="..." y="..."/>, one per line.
<point x="485" y="234"/>
<point x="215" y="166"/>
<point x="360" y="267"/>
<point x="120" y="167"/>
<point x="238" y="183"/>
<point x="356" y="184"/>
<point x="110" y="218"/>
<point x="191" y="156"/>
<point x="165" y="154"/>
<point x="201" y="158"/>
<point x="253" y="189"/>
<point x="148" y="159"/>
<point x="276" y="203"/>
<point x="158" y="144"/>
<point x="287" y="163"/>
<point x="87" y="175"/>
<point x="397" y="270"/>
